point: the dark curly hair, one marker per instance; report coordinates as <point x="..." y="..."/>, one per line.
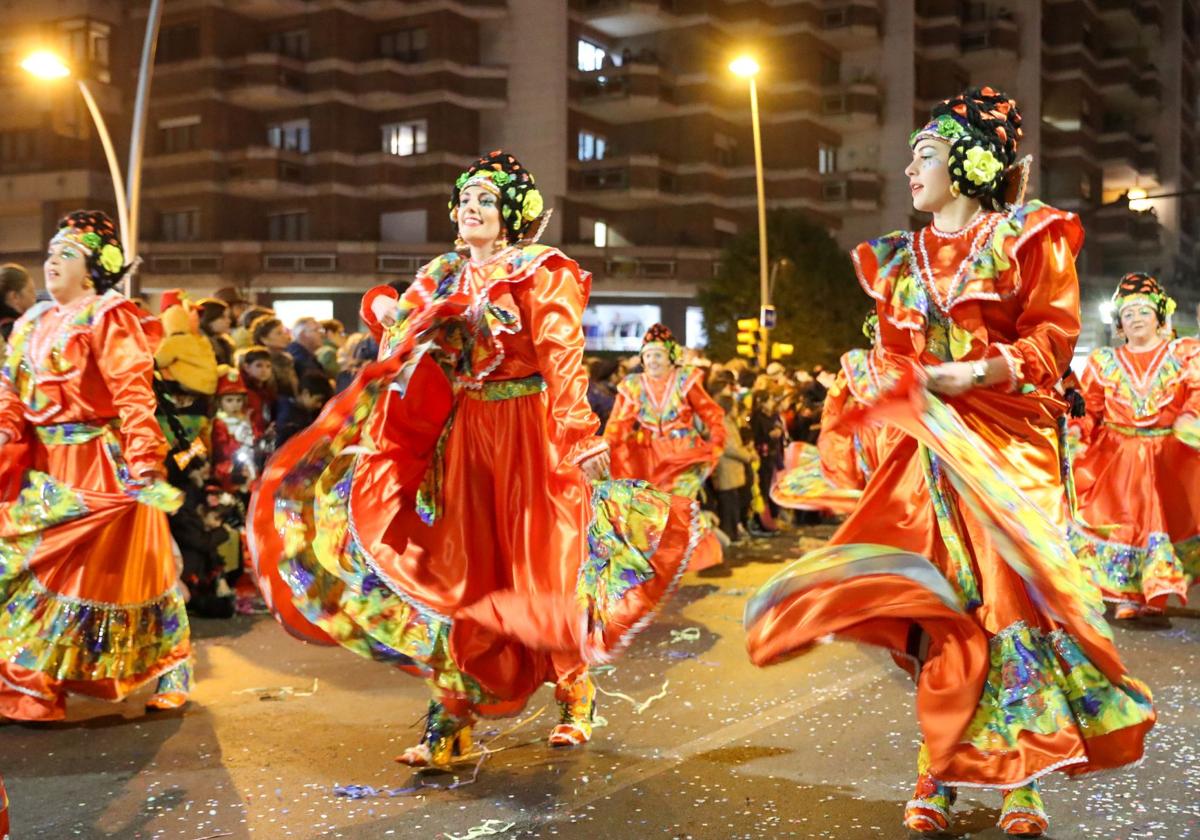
<point x="980" y="118"/>
<point x="521" y="206"/>
<point x="96" y="234"/>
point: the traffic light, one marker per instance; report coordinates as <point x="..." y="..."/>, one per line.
<point x="748" y="337"/>
<point x="780" y="349"/>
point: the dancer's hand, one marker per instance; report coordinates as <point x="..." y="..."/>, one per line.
<point x="384" y="310"/>
<point x="951" y="378"/>
<point x="596" y="468"/>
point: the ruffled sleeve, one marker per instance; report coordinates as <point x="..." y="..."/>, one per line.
<point x="1036" y="249"/>
<point x="1187" y="424"/>
<point x="122" y="353"/>
<point x="555" y="303"/>
<point x="884" y="270"/>
<point x="367" y="313"/>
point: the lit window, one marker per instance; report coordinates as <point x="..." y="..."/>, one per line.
<point x="591" y="146"/>
<point x="406" y="138"/>
<point x="291" y="311"/>
<point x="600" y="234"/>
<point x="291" y="136"/>
<point x="590" y="56"/>
<point x="826" y="158"/>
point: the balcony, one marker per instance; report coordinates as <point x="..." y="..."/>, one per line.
<point x="850" y="24"/>
<point x="1120" y="14"/>
<point x="630" y="93"/>
<point x="990" y="39"/>
<point x="1117" y="224"/>
<point x="266" y="81"/>
<point x="851" y="106"/>
<point x="629" y="18"/>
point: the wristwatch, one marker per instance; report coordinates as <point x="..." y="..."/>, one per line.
<point x="978" y="373"/>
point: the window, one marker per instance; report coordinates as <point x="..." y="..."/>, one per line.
<point x="831" y="70"/>
<point x="407" y="45"/>
<point x="180" y="134"/>
<point x="409" y="227"/>
<point x="694" y="333"/>
<point x="591" y="146"/>
<point x="726" y="147"/>
<point x="291" y="311"/>
<point x="826" y="158"/>
<point x="291" y="136"/>
<point x="406" y="138"/>
<point x="288" y="227"/>
<point x="178" y="43"/>
<point x="293" y="44"/>
<point x="600" y="234"/>
<point x="618" y="326"/>
<point x="180" y="225"/>
<point x="17" y="146"/>
<point x="590" y="56"/>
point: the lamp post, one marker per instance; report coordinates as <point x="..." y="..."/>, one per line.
<point x="46" y="65"/>
<point x="747" y="68"/>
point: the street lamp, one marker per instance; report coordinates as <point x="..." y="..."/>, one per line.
<point x="46" y="65"/>
<point x="747" y="68"/>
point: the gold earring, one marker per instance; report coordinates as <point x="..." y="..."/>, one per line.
<point x="954" y="189"/>
<point x="459" y="243"/>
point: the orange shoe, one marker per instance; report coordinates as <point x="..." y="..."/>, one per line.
<point x="1126" y="611"/>
<point x="172" y="690"/>
<point x="447" y="739"/>
<point x="1023" y="814"/>
<point x="577" y="702"/>
<point x="928" y="812"/>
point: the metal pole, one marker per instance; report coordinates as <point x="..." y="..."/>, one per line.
<point x="137" y="135"/>
<point x="763" y="268"/>
<point x="114" y="166"/>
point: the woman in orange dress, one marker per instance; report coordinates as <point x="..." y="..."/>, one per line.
<point x="956" y="558"/>
<point x="1138" y="482"/>
<point x="445" y="513"/>
<point x="89" y="597"/>
<point x="830" y="476"/>
<point x="664" y="428"/>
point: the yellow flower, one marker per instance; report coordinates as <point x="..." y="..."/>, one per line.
<point x="532" y="207"/>
<point x="981" y="165"/>
<point x="111" y="259"/>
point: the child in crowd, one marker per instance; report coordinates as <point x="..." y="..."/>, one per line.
<point x="233" y="439"/>
<point x="258" y="377"/>
<point x="298" y="412"/>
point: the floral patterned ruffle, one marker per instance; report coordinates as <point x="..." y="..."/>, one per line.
<point x="1138" y="574"/>
<point x="1042" y="683"/>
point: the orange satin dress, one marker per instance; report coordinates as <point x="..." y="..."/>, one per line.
<point x="1138" y="482"/>
<point x="451" y="522"/>
<point x="671" y="433"/>
<point x="88" y="583"/>
<point x="940" y="568"/>
<point x="830" y="477"/>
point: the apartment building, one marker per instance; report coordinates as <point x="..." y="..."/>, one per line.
<point x="302" y="149"/>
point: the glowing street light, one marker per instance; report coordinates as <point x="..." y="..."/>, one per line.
<point x="47" y="66"/>
<point x="1107" y="311"/>
<point x="747" y="68"/>
<point x="1138" y="200"/>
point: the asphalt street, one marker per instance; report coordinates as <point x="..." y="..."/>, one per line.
<point x="694" y="743"/>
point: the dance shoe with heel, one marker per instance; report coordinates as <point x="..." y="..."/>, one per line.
<point x="172" y="690"/>
<point x="577" y="702"/>
<point x="928" y="812"/>
<point x="447" y="739"/>
<point x="1023" y="814"/>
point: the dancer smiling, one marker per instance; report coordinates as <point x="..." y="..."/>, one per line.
<point x="956" y="558"/>
<point x="445" y="513"/>
<point x="1138" y="482"/>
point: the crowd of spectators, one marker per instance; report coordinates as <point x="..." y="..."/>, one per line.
<point x="765" y="410"/>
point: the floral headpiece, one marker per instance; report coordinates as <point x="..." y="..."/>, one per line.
<point x="1137" y="288"/>
<point x="94" y="233"/>
<point x="660" y="335"/>
<point x="983" y="128"/>
<point x="522" y="209"/>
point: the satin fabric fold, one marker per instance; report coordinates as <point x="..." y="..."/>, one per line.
<point x="88" y="581"/>
<point x="1137" y="481"/>
<point x="434" y="516"/>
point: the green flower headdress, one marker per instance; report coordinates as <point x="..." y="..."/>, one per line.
<point x="522" y="209"/>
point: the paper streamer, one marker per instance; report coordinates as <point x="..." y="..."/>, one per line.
<point x="638" y="706"/>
